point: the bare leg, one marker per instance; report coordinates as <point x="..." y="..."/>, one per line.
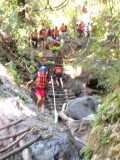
<point x="84" y="86"/>
<point x="43" y="104"/>
<point x="38" y="100"/>
<point x="57" y="82"/>
<point x="61" y="82"/>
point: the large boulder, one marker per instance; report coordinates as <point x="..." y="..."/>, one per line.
<point x="81" y="107"/>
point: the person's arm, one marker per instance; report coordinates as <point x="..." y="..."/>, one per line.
<point x="33" y="79"/>
<point x="29" y="82"/>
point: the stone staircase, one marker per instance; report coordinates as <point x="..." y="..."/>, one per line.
<point x="61" y="97"/>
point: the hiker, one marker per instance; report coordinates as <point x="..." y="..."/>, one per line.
<point x="49" y="35"/>
<point x="57" y="70"/>
<point x="57" y="45"/>
<point x="80" y="29"/>
<point x="56" y="42"/>
<point x="89" y="29"/>
<point x="63" y="29"/>
<point x="42" y="35"/>
<point x="34" y="39"/>
<point x="49" y="32"/>
<point x="55" y="33"/>
<point x="44" y="62"/>
<point x="40" y="79"/>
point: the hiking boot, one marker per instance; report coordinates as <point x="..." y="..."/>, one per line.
<point x="44" y="114"/>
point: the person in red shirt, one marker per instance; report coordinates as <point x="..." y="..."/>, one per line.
<point x="81" y="29"/>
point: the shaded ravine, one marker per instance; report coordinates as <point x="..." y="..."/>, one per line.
<point x="60" y="145"/>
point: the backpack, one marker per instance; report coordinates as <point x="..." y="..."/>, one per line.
<point x="58" y="69"/>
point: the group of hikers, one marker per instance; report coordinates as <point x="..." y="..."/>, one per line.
<point x="48" y="37"/>
<point x="42" y="78"/>
<point x="52" y="38"/>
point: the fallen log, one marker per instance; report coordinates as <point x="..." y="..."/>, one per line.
<point x="14" y="135"/>
<point x="11" y="124"/>
<point x="20" y="149"/>
<point x="9" y="130"/>
<point x="63" y="116"/>
<point x="16" y="141"/>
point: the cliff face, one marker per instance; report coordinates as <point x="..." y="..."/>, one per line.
<point x="104" y="143"/>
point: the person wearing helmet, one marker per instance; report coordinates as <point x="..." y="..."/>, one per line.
<point x="44" y="62"/>
<point x="41" y="81"/>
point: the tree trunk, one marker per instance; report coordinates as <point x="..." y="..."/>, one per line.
<point x="21" y="14"/>
<point x="64" y="117"/>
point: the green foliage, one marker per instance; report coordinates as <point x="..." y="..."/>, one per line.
<point x="25" y="98"/>
<point x="107" y="70"/>
<point x="87" y="153"/>
<point x="103" y="135"/>
<point x="108" y="75"/>
<point x="109" y="112"/>
<point x="13" y="72"/>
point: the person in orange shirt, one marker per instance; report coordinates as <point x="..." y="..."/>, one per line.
<point x="57" y="70"/>
<point x="55" y="33"/>
<point x="63" y="29"/>
<point x="41" y="80"/>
